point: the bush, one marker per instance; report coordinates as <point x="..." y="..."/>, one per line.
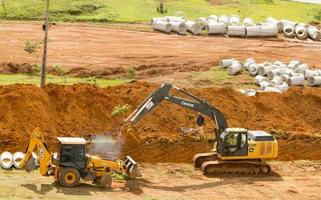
<point x="130" y="73"/>
<point x="316" y="13"/>
<point x="120" y="109"/>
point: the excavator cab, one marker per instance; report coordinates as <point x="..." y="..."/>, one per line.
<point x="233" y="142"/>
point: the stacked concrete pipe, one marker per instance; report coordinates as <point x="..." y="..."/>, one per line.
<point x="194" y="27"/>
<point x="161" y="25"/>
<point x="236" y="30"/>
<point x="178" y="27"/>
<point x="314" y="33"/>
<point x="17" y="159"/>
<point x="277" y="23"/>
<point x="234" y="20"/>
<point x="6" y="161"/>
<point x="301" y="31"/>
<point x="314" y="81"/>
<point x="248" y="22"/>
<point x="215" y="28"/>
<point x="234" y="68"/>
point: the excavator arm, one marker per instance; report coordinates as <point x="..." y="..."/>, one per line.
<point x="197" y="104"/>
<point x="36" y="144"/>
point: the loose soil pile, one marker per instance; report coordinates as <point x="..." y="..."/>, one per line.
<point x="83" y="110"/>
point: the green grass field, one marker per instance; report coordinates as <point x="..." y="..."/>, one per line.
<point x="143" y="10"/>
<point x="8" y="79"/>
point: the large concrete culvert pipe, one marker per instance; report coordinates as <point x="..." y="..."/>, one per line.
<point x="288" y="31"/>
<point x="17" y="159"/>
<point x="178" y="27"/>
<point x="215" y="28"/>
<point x="235" y="68"/>
<point x="234" y="20"/>
<point x="223" y="19"/>
<point x="264" y="69"/>
<point x="248" y="62"/>
<point x="194" y="27"/>
<point x="279" y="24"/>
<point x="237" y="31"/>
<point x="296" y="81"/>
<point x="253" y="69"/>
<point x="163" y="26"/>
<point x="6" y="160"/>
<point x="301" y="31"/>
<point x="314" y="33"/>
<point x="310" y="73"/>
<point x="259" y="79"/>
<point x="314" y="81"/>
<point x="225" y="63"/>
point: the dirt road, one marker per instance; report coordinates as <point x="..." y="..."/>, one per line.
<point x="101" y="51"/>
<point x="290" y="180"/>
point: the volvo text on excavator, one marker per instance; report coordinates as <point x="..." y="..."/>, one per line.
<point x="237" y="149"/>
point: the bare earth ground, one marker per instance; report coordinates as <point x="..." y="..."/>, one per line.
<point x="289" y="180"/>
<point x="101" y="51"/>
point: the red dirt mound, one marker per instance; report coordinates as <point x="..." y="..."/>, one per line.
<point x="80" y="110"/>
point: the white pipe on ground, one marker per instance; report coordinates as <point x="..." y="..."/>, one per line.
<point x="176" y="18"/>
<point x="253" y="69"/>
<point x="314" y="33"/>
<point x="288" y="31"/>
<point x="250" y="92"/>
<point x="247" y="63"/>
<point x="271" y="89"/>
<point x="285" y="70"/>
<point x="235" y="68"/>
<point x="162" y="26"/>
<point x="283" y="87"/>
<point x="264" y="69"/>
<point x="274" y="72"/>
<point x="277" y="80"/>
<point x="265" y="84"/>
<point x="225" y="63"/>
<point x="236" y="31"/>
<point x="178" y="27"/>
<point x="301" y="68"/>
<point x="314" y="81"/>
<point x="309" y="73"/>
<point x="212" y="17"/>
<point x="293" y="64"/>
<point x="234" y="20"/>
<point x="6" y="161"/>
<point x="296" y="80"/>
<point x="153" y="20"/>
<point x="215" y="28"/>
<point x="285" y="77"/>
<point x="193" y="27"/>
<point x="259" y="79"/>
<point x="278" y="23"/>
<point x="269" y="31"/>
<point x="17" y="159"/>
<point x="301" y="32"/>
<point x="202" y="21"/>
<point x="248" y="22"/>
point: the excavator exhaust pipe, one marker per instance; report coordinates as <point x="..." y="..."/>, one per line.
<point x="132" y="167"/>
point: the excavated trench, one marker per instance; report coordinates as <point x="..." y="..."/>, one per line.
<point x="85" y="110"/>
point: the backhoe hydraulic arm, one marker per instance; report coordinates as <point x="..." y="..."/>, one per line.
<point x="197" y="104"/>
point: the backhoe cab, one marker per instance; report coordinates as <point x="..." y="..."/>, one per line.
<point x="71" y="162"/>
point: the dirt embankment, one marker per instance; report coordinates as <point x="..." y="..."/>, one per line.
<point x="80" y="110"/>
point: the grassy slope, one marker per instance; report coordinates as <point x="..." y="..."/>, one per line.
<point x="143" y="10"/>
<point x="28" y="79"/>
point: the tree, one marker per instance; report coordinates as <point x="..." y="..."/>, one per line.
<point x="45" y="44"/>
<point x="3" y="4"/>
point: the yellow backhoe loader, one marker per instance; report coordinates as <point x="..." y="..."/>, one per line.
<point x="71" y="162"/>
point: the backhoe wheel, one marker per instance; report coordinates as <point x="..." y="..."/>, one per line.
<point x="105" y="181"/>
<point x="69" y="177"/>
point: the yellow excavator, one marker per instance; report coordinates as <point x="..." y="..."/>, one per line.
<point x="237" y="150"/>
<point x="71" y="162"/>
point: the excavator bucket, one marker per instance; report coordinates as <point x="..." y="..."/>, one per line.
<point x="132" y="168"/>
<point x="31" y="164"/>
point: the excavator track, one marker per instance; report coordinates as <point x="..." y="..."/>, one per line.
<point x="200" y="158"/>
<point x="235" y="167"/>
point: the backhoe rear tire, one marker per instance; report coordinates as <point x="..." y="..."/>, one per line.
<point x="69" y="177"/>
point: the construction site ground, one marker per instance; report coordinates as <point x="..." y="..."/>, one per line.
<point x="289" y="180"/>
<point x="164" y="153"/>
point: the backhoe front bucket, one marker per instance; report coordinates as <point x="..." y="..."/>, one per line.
<point x="131" y="167"/>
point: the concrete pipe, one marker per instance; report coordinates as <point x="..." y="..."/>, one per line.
<point x="309" y="73"/>
<point x="314" y="81"/>
<point x="283" y="87"/>
<point x="296" y="80"/>
<point x="288" y="31"/>
<point x="285" y="70"/>
<point x="194" y="27"/>
<point x="225" y="63"/>
<point x="238" y="31"/>
<point x="253" y="69"/>
<point x="301" y="68"/>
<point x="178" y="27"/>
<point x="259" y="79"/>
<point x="274" y="72"/>
<point x="273" y="21"/>
<point x="235" y="68"/>
<point x="223" y="19"/>
<point x="314" y="33"/>
<point x="253" y="31"/>
<point x="162" y="26"/>
<point x="175" y="18"/>
<point x="153" y="20"/>
<point x="248" y="22"/>
<point x="265" y="84"/>
<point x="17" y="159"/>
<point x="264" y="69"/>
<point x="285" y="77"/>
<point x="269" y="31"/>
<point x="271" y="89"/>
<point x="248" y="62"/>
<point x="234" y="20"/>
<point x="277" y="80"/>
<point x="287" y="22"/>
<point x="215" y="28"/>
<point x="293" y="64"/>
<point x="6" y="161"/>
<point x="212" y="18"/>
<point x="250" y="92"/>
<point x="202" y="21"/>
<point x="301" y="32"/>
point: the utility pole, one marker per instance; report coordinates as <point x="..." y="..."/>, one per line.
<point x="45" y="44"/>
